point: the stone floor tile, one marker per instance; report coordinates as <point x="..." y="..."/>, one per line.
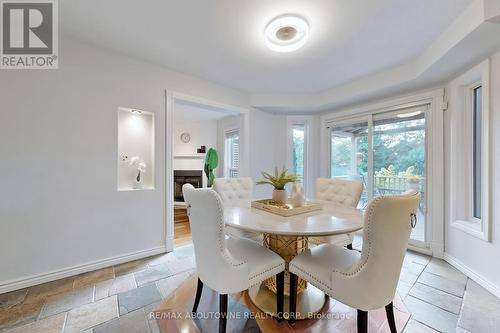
<point x="168" y="285"/>
<point x="437" y="297"/>
<point x="66" y="301"/>
<point x="442" y="268"/>
<point x="22" y="313"/>
<point x="131" y="267"/>
<point x="12" y="298"/>
<point x="91" y="315"/>
<point x="133" y="322"/>
<point x="414" y="326"/>
<point x="453" y="287"/>
<point x="408" y="276"/>
<point x="432" y="316"/>
<point x="161" y="259"/>
<point x="138" y="298"/>
<point x="403" y="289"/>
<point x="184" y="251"/>
<point x="52" y="324"/>
<point x="51" y="288"/>
<point x="462" y="330"/>
<point x="93" y="277"/>
<point x="418" y="258"/>
<point x="481" y="310"/>
<point x="115" y="286"/>
<point x="152" y="274"/>
<point x="181" y="265"/>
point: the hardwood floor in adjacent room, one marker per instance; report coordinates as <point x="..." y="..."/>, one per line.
<point x="182" y="230"/>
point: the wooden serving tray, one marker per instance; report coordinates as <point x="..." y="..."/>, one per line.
<point x="286" y="209"/>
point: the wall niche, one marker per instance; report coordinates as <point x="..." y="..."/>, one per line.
<point x="135" y="150"/>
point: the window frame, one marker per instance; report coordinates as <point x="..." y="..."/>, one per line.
<point x="304" y="167"/>
<point x="308" y="183"/>
<point x="227" y="158"/>
<point x="472" y="105"/>
<point x="464" y="219"/>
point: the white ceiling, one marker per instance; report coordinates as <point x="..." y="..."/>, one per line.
<point x="222" y="41"/>
<point x="191" y="112"/>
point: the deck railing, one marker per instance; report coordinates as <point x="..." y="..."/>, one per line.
<point x="395" y="184"/>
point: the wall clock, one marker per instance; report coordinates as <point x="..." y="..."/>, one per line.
<point x="185" y="137"/>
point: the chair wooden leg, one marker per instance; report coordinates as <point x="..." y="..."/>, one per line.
<point x="293" y="299"/>
<point x="389" y="311"/>
<point x="349" y="246"/>
<point x="222" y="313"/>
<point x="362" y="321"/>
<point x="280" y="294"/>
<point x="199" y="290"/>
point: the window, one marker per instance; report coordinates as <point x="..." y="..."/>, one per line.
<point x="232" y="154"/>
<point x="476" y="151"/>
<point x="298" y="145"/>
<point x="469" y="152"/>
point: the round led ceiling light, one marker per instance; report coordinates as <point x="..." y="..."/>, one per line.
<point x="286" y="33"/>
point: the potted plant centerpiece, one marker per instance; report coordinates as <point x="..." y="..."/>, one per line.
<point x="278" y="181"/>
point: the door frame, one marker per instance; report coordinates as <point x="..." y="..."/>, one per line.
<point x="434" y="155"/>
<point x="168" y="198"/>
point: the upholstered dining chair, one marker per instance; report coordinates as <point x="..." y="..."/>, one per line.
<point x="236" y="192"/>
<point x="225" y="264"/>
<point x="338" y="192"/>
<point x="366" y="280"/>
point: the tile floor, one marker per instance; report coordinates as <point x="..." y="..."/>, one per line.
<point x="122" y="298"/>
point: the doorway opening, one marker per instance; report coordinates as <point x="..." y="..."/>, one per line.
<point x="196" y="127"/>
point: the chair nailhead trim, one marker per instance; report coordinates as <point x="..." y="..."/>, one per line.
<point x="314" y="278"/>
<point x="267" y="270"/>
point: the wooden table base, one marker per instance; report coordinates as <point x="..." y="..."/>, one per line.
<point x="287" y="247"/>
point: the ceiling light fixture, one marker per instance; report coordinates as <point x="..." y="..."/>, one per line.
<point x="138" y="112"/>
<point x="409" y="115"/>
<point x="286" y="33"/>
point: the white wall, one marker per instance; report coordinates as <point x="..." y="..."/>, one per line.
<point x="203" y="133"/>
<point x="267" y="148"/>
<point x="479" y="258"/>
<point x="60" y="211"/>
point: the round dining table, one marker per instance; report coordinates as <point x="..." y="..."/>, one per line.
<point x="288" y="237"/>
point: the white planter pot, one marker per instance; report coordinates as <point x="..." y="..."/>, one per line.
<point x="280" y="196"/>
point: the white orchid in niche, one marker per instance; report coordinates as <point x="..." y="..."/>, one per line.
<point x="139" y="166"/>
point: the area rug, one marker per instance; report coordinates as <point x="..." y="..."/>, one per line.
<point x="174" y="315"/>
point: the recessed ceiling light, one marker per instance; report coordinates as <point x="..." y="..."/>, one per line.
<point x="286" y="33"/>
<point x="409" y="114"/>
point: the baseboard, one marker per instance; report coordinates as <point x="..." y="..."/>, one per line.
<point x="170" y="243"/>
<point x="478" y="278"/>
<point x="419" y="250"/>
<point x="75" y="270"/>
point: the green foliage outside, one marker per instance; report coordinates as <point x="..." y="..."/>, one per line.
<point x="396" y="153"/>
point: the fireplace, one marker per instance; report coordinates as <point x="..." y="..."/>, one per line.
<point x="181" y="177"/>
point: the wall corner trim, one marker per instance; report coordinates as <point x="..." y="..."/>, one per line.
<point x="478" y="278"/>
<point x="29" y="281"/>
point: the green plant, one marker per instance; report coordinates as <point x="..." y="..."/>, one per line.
<point x="279" y="180"/>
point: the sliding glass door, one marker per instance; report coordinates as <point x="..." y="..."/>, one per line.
<point x="349" y="152"/>
<point x="399" y="159"/>
<point x="387" y="152"/>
